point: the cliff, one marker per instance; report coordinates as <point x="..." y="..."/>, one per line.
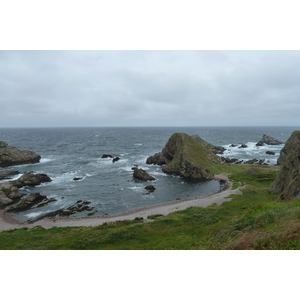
<point x="287" y="181"/>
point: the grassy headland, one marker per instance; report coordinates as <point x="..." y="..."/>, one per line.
<point x="253" y="220"/>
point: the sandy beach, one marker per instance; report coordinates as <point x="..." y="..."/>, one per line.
<point x="7" y="221"/>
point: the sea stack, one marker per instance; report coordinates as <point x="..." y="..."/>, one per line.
<point x="185" y="156"/>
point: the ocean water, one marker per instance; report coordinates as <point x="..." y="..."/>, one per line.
<point x="110" y="187"/>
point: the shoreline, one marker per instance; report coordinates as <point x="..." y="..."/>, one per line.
<point x="8" y="222"/>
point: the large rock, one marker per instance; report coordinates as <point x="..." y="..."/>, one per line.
<point x="184" y="155"/>
<point x="269" y="140"/>
<point x="287" y="182"/>
<point x="9" y="194"/>
<point x="142" y="175"/>
<point x="10" y="156"/>
<point x="30" y="179"/>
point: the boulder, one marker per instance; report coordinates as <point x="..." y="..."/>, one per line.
<point x="269" y="140"/>
<point x="187" y="157"/>
<point x="11" y="156"/>
<point x="142" y="175"/>
<point x="287" y="181"/>
<point x="31" y="179"/>
<point x="9" y="194"/>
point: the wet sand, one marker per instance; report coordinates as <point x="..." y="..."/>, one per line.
<point x="7" y="221"/>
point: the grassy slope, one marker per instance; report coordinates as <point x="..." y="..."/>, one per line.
<point x="253" y="220"/>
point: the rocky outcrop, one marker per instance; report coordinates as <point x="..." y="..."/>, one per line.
<point x="11" y="156"/>
<point x="269" y="140"/>
<point x="187" y="156"/>
<point x="28" y="202"/>
<point x="142" y="175"/>
<point x="287" y="182"/>
<point x="8" y="174"/>
<point x="30" y="179"/>
<point x="156" y="159"/>
<point x="9" y="194"/>
<point x="79" y="206"/>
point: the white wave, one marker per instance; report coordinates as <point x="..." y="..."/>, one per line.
<point x="44" y="160"/>
<point x="135" y="188"/>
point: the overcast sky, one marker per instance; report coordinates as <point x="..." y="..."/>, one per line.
<point x="149" y="88"/>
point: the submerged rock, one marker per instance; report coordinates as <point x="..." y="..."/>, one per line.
<point x="11" y="156"/>
<point x="269" y="140"/>
<point x="270" y="152"/>
<point x="287" y="181"/>
<point x="150" y="188"/>
<point x="116" y="159"/>
<point x="107" y="156"/>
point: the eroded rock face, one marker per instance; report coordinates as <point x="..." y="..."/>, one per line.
<point x="11" y="156"/>
<point x="287" y="182"/>
<point x="188" y="156"/>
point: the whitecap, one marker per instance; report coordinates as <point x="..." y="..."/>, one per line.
<point x="44" y="160"/>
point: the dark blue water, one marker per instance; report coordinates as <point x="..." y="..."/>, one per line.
<point x="76" y="152"/>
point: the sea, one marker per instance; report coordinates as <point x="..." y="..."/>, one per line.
<point x="69" y="153"/>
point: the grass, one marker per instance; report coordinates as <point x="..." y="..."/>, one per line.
<point x="253" y="220"/>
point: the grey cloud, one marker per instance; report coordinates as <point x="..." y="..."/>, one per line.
<point x="149" y="88"/>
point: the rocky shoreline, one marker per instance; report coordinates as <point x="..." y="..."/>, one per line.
<point x="8" y="222"/>
<point x="183" y="155"/>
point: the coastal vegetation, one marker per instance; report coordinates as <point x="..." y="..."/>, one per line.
<point x="252" y="220"/>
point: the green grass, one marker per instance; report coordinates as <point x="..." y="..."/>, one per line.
<point x="253" y="220"/>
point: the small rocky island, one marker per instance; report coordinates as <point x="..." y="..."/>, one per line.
<point x="187" y="156"/>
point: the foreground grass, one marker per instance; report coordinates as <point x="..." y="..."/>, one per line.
<point x="253" y="220"/>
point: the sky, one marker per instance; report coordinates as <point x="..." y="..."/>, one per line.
<point x="149" y="88"/>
